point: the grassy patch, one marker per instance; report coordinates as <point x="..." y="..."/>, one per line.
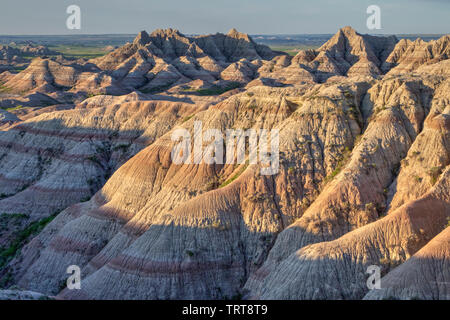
<point x="189" y="253"/>
<point x="234" y="177"/>
<point x="78" y="51"/>
<point x="91" y="95"/>
<point x="85" y="199"/>
<point x="293" y="50"/>
<point x="14" y="108"/>
<point x="19" y="69"/>
<point x="187" y="118"/>
<point x="434" y="174"/>
<point x="215" y="91"/>
<point x="21" y="238"/>
<point x="4" y="89"/>
<point x="341" y="164"/>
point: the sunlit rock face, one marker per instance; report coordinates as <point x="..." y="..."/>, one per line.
<point x="363" y="179"/>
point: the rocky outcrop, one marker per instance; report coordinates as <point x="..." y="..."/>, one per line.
<point x="22" y="295"/>
<point x="47" y="73"/>
<point x="59" y="158"/>
<point x="409" y="55"/>
<point x="424" y="276"/>
<point x="363" y="173"/>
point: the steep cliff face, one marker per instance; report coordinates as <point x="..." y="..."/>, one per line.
<point x="363" y="173"/>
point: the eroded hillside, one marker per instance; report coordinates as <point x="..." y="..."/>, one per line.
<point x="363" y="179"/>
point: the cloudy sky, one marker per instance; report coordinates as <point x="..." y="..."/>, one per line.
<point x="210" y="16"/>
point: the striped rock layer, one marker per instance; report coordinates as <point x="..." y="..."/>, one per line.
<point x="363" y="174"/>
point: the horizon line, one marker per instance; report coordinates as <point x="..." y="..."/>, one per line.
<point x="195" y="34"/>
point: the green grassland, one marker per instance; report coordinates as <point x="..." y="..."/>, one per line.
<point x="79" y="51"/>
<point x="293" y="50"/>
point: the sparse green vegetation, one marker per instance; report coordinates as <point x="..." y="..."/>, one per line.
<point x="234" y="177"/>
<point x="14" y="108"/>
<point x="190" y="253"/>
<point x="382" y="108"/>
<point x="291" y="170"/>
<point x="221" y="226"/>
<point x="211" y="185"/>
<point x="434" y="174"/>
<point x="341" y="164"/>
<point x="19" y="68"/>
<point x="293" y="50"/>
<point x="187" y="118"/>
<point x="370" y="207"/>
<point x="215" y="91"/>
<point x="85" y="199"/>
<point x="258" y="197"/>
<point x="21" y="238"/>
<point x="4" y="89"/>
<point x="79" y="51"/>
<point x="348" y="94"/>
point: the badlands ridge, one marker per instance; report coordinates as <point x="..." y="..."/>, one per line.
<point x="364" y="178"/>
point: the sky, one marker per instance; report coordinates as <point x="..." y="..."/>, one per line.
<point x="29" y="17"/>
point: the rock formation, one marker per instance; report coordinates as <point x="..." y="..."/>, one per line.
<point x="363" y="180"/>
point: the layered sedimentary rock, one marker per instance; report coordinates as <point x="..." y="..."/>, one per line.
<point x="12" y="57"/>
<point x="424" y="276"/>
<point x="58" y="158"/>
<point x="363" y="173"/>
<point x="21" y="295"/>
